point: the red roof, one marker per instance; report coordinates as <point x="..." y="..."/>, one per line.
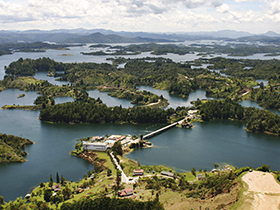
<point x="138" y="170"/>
<point x="127" y="190"/>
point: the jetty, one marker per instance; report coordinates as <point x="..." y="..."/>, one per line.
<point x="191" y="114"/>
<point x="161" y="130"/>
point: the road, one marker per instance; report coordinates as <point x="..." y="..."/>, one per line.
<point x="124" y="178"/>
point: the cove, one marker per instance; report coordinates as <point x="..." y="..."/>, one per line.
<point x="218" y="141"/>
<point x="51" y="151"/>
<point x="250" y="103"/>
<point x="175" y="100"/>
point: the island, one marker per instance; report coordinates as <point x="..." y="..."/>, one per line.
<point x="11" y="148"/>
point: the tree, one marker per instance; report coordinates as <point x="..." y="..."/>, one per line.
<point x="109" y="172"/>
<point x="51" y="181"/>
<point x="66" y="192"/>
<point x="193" y="170"/>
<point x="57" y="177"/>
<point x="1" y="200"/>
<point x="264" y="168"/>
<point x="261" y="85"/>
<point x="47" y="195"/>
<point x="118" y="179"/>
<point x="62" y="180"/>
<point x="118" y="148"/>
<point x="216" y="165"/>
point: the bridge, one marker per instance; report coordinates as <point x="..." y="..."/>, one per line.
<point x="162" y="129"/>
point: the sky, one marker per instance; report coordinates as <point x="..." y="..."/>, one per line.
<point x="254" y="16"/>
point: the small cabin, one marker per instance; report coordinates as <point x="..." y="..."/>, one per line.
<point x="166" y="173"/>
<point x="56" y="187"/>
<point x="200" y="177"/>
<point x="126" y="192"/>
<point x="138" y="172"/>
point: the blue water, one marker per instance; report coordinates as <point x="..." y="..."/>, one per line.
<point x="200" y="147"/>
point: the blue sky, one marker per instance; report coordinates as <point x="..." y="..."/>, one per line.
<point x="255" y="16"/>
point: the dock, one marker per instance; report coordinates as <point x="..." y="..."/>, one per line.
<point x="160" y="130"/>
<point x="190" y="115"/>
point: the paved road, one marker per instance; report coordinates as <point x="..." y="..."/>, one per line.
<point x="124" y="178"/>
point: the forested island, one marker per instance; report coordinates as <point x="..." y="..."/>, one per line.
<point x="257" y="120"/>
<point x="94" y="112"/>
<point x="11" y="148"/>
<point x="231" y="49"/>
<point x="11" y="48"/>
<point x="177" y="78"/>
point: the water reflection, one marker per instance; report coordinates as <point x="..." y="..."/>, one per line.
<point x="108" y="100"/>
<point x="249" y="103"/>
<point x="52" y="80"/>
<point x="175" y="100"/>
<point x="10" y="97"/>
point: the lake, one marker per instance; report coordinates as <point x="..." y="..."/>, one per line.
<point x="182" y="149"/>
<point x="76" y="56"/>
<point x="207" y="143"/>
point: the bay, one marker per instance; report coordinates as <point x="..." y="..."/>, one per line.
<point x="250" y="103"/>
<point x="220" y="141"/>
<point x="51" y="151"/>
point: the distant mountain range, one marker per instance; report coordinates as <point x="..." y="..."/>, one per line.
<point x="107" y="36"/>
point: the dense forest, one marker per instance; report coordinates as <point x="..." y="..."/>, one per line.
<point x="161" y="73"/>
<point x="11" y="148"/>
<point x="268" y="98"/>
<point x="257" y="69"/>
<point x="93" y="112"/>
<point x="29" y="47"/>
<point x="112" y="204"/>
<point x="232" y="49"/>
<point x="28" y="67"/>
<point x="257" y="120"/>
<point x="23" y="83"/>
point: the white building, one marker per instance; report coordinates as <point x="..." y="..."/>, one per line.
<point x="94" y="146"/>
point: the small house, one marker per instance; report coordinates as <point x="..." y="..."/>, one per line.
<point x="92" y="176"/>
<point x="27" y="196"/>
<point x="126" y="192"/>
<point x="200" y="177"/>
<point x="166" y="173"/>
<point x="97" y="138"/>
<point x="79" y="190"/>
<point x="138" y="172"/>
<point x="56" y="187"/>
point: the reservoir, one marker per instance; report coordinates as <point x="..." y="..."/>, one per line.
<point x="219" y="141"/>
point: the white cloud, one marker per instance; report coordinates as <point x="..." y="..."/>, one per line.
<point x="224" y="8"/>
<point x="138" y="15"/>
<point x="238" y="1"/>
<point x="274" y="7"/>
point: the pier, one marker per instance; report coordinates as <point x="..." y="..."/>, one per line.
<point x="190" y="115"/>
<point x="161" y="130"/>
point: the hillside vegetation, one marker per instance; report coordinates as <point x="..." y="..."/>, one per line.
<point x="11" y="148"/>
